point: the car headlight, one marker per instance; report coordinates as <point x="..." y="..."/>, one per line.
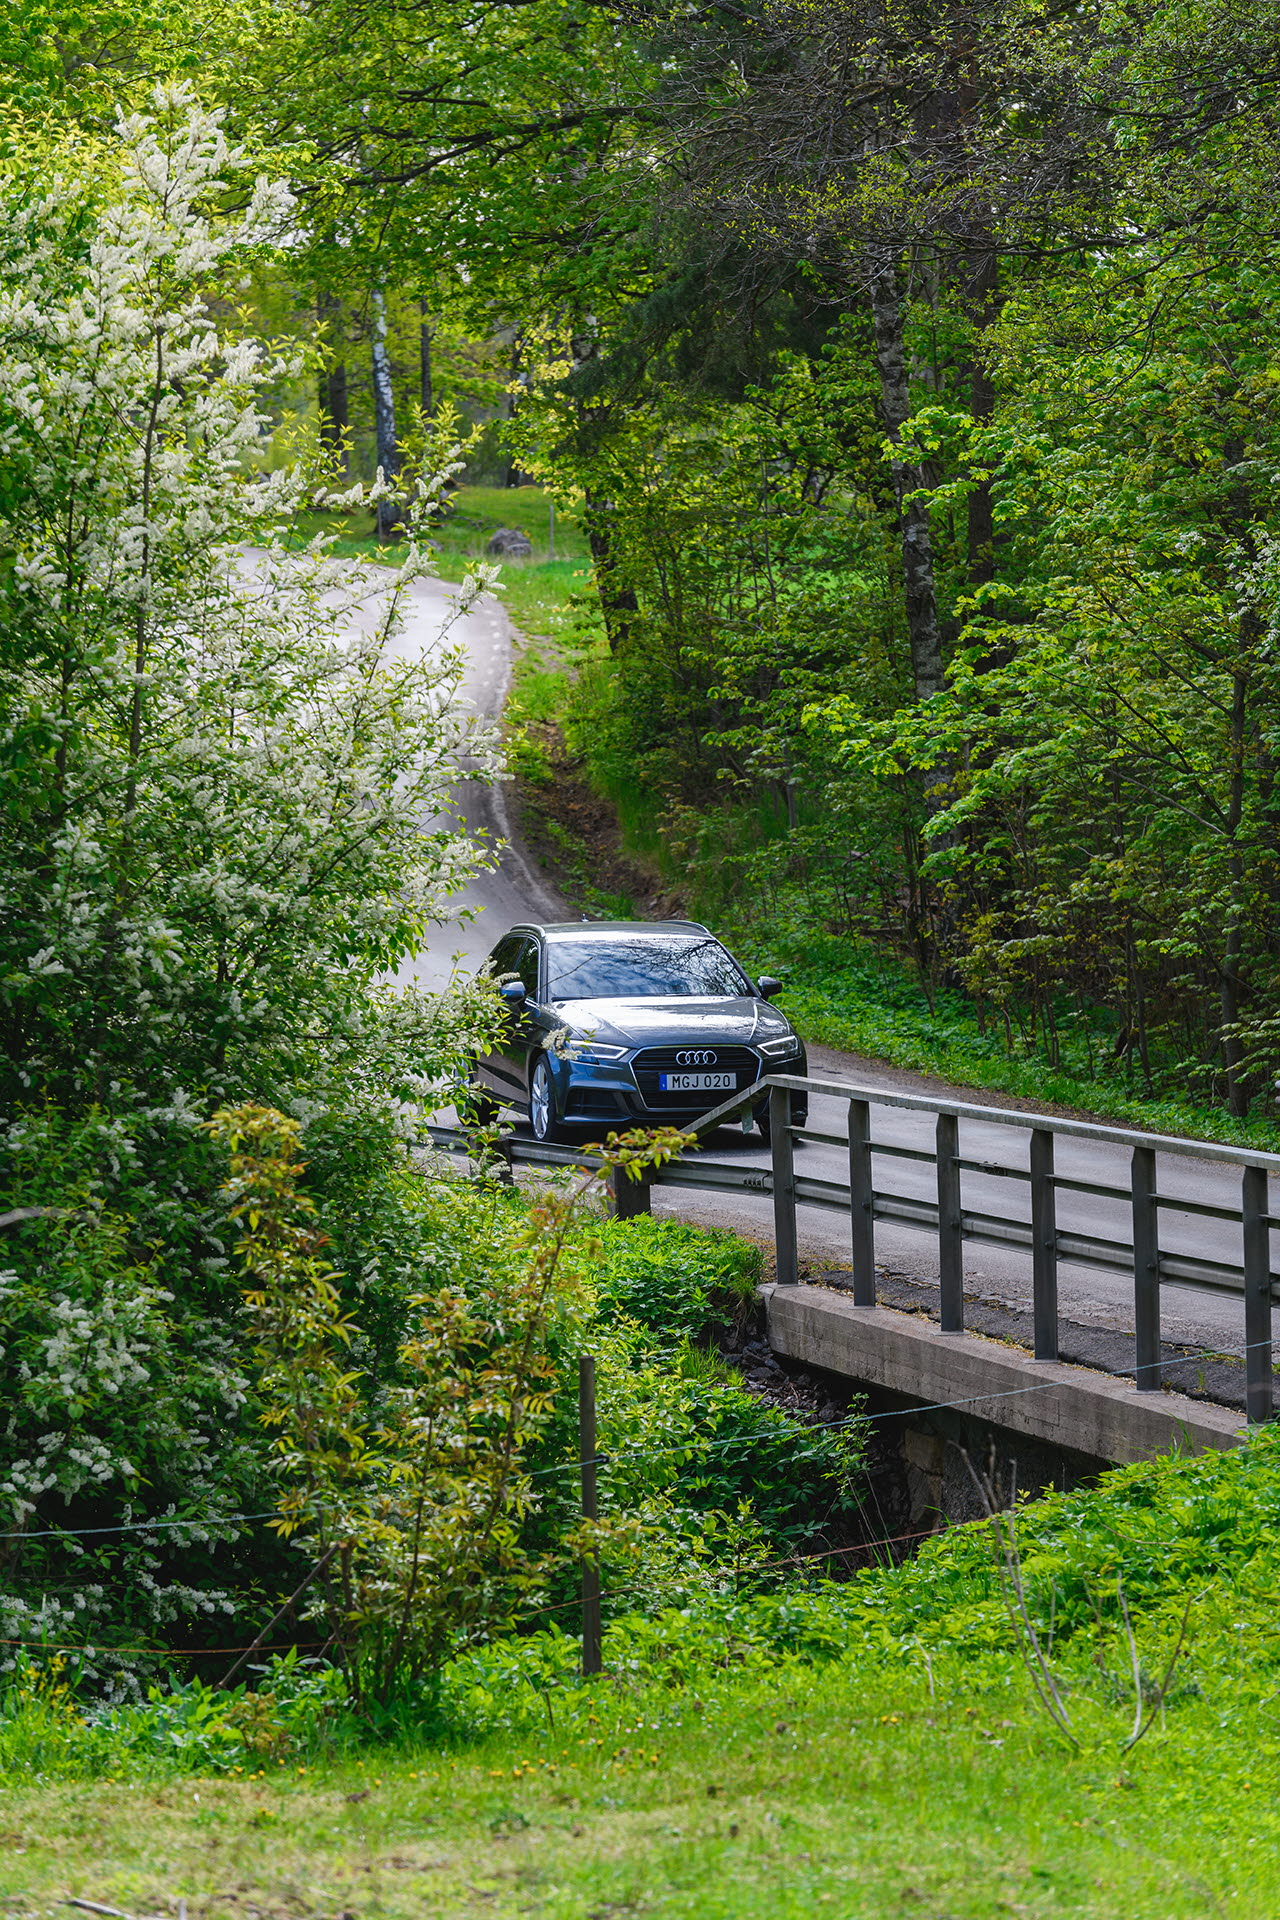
<point x="588" y="1054"/>
<point x="782" y="1049"/>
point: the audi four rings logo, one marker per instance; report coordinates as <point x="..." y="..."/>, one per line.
<point x="698" y="1057"/>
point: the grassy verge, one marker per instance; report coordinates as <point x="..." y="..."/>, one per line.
<point x="834" y="1792"/>
<point x="464" y="532"/>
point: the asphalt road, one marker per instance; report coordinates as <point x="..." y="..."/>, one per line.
<point x="514" y="891"/>
<point x="511" y="890"/>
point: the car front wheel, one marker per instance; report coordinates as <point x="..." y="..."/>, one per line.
<point x="543" y="1117"/>
<point x="799" y="1116"/>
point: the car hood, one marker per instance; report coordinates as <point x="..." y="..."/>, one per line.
<point x="651" y="1022"/>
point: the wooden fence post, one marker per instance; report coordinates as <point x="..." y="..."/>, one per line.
<point x="1044" y="1246"/>
<point x="1259" y="1378"/>
<point x="592" y="1652"/>
<point x="1146" y="1269"/>
<point x="950" y="1241"/>
<point x="631" y="1197"/>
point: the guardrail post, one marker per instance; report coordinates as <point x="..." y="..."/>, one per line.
<point x="631" y="1197"/>
<point x="1259" y="1378"/>
<point x="1044" y="1245"/>
<point x="784" y="1186"/>
<point x="862" y="1204"/>
<point x="950" y="1242"/>
<point x="1146" y="1269"/>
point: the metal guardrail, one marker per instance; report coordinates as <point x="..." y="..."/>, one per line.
<point x="953" y="1222"/>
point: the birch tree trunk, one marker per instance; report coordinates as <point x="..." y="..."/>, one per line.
<point x="384" y="411"/>
<point x="917" y="542"/>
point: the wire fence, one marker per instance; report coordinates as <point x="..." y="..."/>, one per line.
<point x="590" y="1457"/>
<point x="623" y="1456"/>
<point x="672" y="1589"/>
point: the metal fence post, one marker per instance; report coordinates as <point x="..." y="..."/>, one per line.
<point x="784" y="1186"/>
<point x="592" y="1651"/>
<point x="1259" y="1379"/>
<point x="1044" y="1245"/>
<point x="950" y="1242"/>
<point x="1146" y="1269"/>
<point x="862" y="1204"/>
<point x="631" y="1197"/>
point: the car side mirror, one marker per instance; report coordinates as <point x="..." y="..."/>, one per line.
<point x="514" y="992"/>
<point x="768" y="986"/>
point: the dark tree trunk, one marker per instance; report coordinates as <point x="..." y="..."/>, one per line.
<point x="917" y="541"/>
<point x="426" y="389"/>
<point x="617" y="603"/>
<point x="384" y="412"/>
<point x="335" y="417"/>
<point x="982" y="299"/>
<point x="1250" y="635"/>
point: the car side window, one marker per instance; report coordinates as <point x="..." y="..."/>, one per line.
<point x="526" y="965"/>
<point x="503" y="958"/>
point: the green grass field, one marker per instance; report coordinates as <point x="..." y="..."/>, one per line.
<point x="464" y="532"/>
<point x="537" y="592"/>
<point x="760" y="1799"/>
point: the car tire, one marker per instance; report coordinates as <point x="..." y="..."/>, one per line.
<point x="543" y="1118"/>
<point x="799" y="1116"/>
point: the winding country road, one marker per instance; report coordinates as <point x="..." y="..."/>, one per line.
<point x="515" y="891"/>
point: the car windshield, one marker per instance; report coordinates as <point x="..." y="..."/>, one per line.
<point x="650" y="966"/>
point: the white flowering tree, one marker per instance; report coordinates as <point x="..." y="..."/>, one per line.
<point x="224" y="786"/>
<point x="224" y="796"/>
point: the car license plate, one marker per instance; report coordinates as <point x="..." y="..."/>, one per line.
<point x="697" y="1082"/>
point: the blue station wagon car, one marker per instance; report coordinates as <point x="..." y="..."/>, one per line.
<point x="625" y="1023"/>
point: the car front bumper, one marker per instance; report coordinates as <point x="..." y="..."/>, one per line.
<point x="611" y="1093"/>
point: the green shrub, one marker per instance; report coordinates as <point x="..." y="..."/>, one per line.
<point x="135" y="1399"/>
<point x="716" y="1486"/>
<point x="672" y="1278"/>
<point x="1159" y="1530"/>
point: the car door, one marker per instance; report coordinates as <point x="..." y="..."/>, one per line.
<point x="501" y="1069"/>
<point x="525" y="1033"/>
<point x="545" y="1020"/>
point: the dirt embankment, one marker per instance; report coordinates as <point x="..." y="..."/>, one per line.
<point x="573" y="836"/>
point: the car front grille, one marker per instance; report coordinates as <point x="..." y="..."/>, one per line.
<point x="651" y="1061"/>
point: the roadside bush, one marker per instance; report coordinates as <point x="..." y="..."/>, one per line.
<point x="1158" y="1532"/>
<point x="400" y="1347"/>
<point x="671" y="1278"/>
<point x="714" y="1487"/>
